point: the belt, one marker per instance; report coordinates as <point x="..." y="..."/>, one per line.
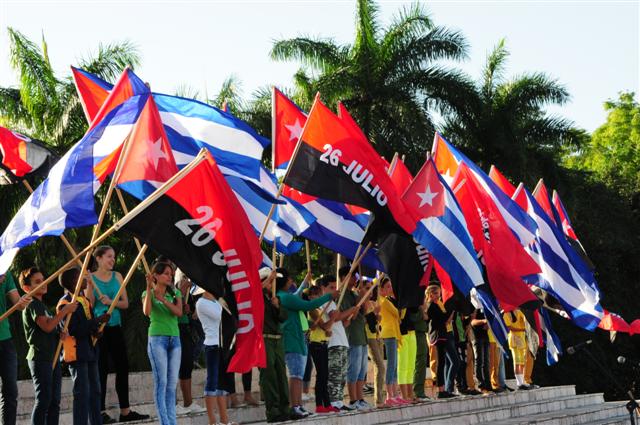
<point x="269" y="336"/>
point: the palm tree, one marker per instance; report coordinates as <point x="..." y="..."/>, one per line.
<point x="388" y="78"/>
<point x="503" y="121"/>
<point x="46" y="106"/>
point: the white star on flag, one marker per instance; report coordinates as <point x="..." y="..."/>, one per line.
<point x="295" y="130"/>
<point x="426" y="197"/>
<point x="156" y="152"/>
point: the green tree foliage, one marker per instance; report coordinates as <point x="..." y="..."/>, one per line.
<point x="390" y="78"/>
<point x="613" y="153"/>
<point x="506" y="118"/>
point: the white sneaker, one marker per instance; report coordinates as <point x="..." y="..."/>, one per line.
<point x="181" y="410"/>
<point x="337" y="404"/>
<point x="362" y="405"/>
<point x="196" y="408"/>
<point x="307" y="396"/>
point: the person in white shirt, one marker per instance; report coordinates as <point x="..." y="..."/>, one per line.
<point x="338" y="347"/>
<point x="210" y="314"/>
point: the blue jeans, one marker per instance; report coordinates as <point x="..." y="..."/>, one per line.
<point x="9" y="376"/>
<point x="357" y="370"/>
<point x="502" y="375"/>
<point x="46" y="384"/>
<point x="212" y="358"/>
<point x="451" y="364"/>
<point x="86" y="393"/>
<point x="296" y="363"/>
<point x="164" y="355"/>
<point x="391" y="348"/>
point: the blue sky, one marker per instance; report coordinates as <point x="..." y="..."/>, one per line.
<point x="592" y="47"/>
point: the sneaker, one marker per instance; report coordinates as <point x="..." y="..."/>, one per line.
<point x="321" y="410"/>
<point x="401" y="401"/>
<point x="508" y="389"/>
<point x="106" y="419"/>
<point x="533" y="386"/>
<point x="367" y="389"/>
<point x="498" y="390"/>
<point x="307" y="396"/>
<point x="523" y="387"/>
<point x="422" y="399"/>
<point x="196" y="408"/>
<point x="362" y="405"/>
<point x="181" y="410"/>
<point x="309" y="414"/>
<point x="472" y="392"/>
<point x="444" y="394"/>
<point x="348" y="407"/>
<point x="332" y="409"/>
<point x="298" y="413"/>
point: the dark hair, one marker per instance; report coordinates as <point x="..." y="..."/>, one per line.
<point x="27" y="274"/>
<point x="325" y="280"/>
<point x="384" y="281"/>
<point x="314" y="290"/>
<point x="165" y="260"/>
<point x="344" y="271"/>
<point x="69" y="278"/>
<point x="159" y="268"/>
<point x="101" y="250"/>
<point x="282" y="281"/>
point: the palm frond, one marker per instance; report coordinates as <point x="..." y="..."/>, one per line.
<point x="187" y="91"/>
<point x="314" y="53"/>
<point x="416" y="53"/>
<point x="367" y="27"/>
<point x="493" y="70"/>
<point x="111" y="59"/>
<point x="530" y="92"/>
<point x="37" y="81"/>
<point x="230" y="95"/>
<point x="12" y="112"/>
<point x="409" y="23"/>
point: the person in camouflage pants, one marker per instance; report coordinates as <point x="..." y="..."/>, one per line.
<point x="338" y="362"/>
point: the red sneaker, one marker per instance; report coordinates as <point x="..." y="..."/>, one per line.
<point x="321" y="410"/>
<point x="332" y="409"/>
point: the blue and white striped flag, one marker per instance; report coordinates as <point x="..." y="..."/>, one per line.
<point x="65" y="199"/>
<point x="442" y="228"/>
<point x="564" y="274"/>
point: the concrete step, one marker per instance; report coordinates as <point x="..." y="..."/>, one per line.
<point x="521" y="410"/>
<point x="436" y="408"/>
<point x="140" y="390"/>
<point x="594" y="414"/>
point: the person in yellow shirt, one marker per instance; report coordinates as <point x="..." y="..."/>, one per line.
<point x="391" y="337"/>
<point x="376" y="347"/>
<point x="515" y="321"/>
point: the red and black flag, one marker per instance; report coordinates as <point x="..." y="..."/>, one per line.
<point x="22" y="155"/>
<point x="335" y="161"/>
<point x="201" y="226"/>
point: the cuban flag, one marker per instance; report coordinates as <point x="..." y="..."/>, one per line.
<point x="336" y="227"/>
<point x="447" y="159"/>
<point x="191" y="125"/>
<point x="442" y="228"/>
<point x="567" y="228"/>
<point x="92" y="90"/>
<point x="564" y="274"/>
<point x="550" y="338"/>
<point x="65" y="199"/>
<point x="289" y="219"/>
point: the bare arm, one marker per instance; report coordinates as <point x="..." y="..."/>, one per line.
<point x="148" y="298"/>
<point x="48" y="324"/>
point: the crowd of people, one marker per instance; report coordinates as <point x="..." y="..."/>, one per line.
<point x="311" y="326"/>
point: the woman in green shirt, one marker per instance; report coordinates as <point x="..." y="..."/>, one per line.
<point x="163" y="305"/>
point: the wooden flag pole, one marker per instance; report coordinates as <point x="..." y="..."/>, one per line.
<point x="64" y="239"/>
<point x="368" y="293"/>
<point x="291" y="161"/>
<point x="60" y="270"/>
<point x="273" y="263"/>
<point x="307" y="249"/>
<point x="96" y="232"/>
<point x="343" y="284"/>
<point x="123" y="286"/>
<point x="339" y="257"/>
<point x="128" y="217"/>
<point x="147" y="269"/>
<point x="117" y="226"/>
